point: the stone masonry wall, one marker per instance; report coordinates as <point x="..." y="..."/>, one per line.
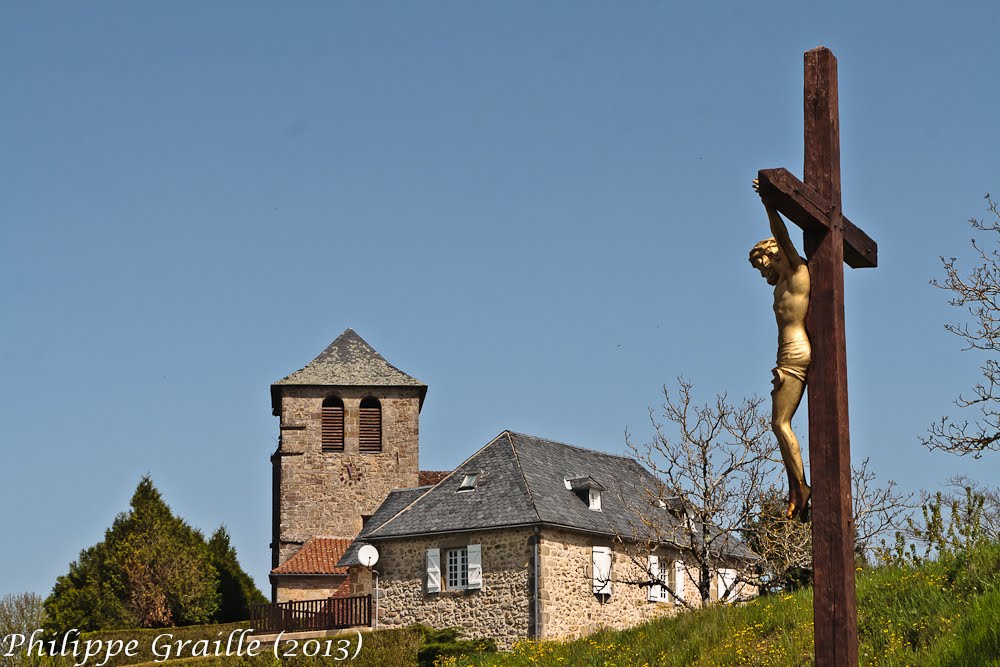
<point x="326" y="493"/>
<point x="292" y="588"/>
<point x="569" y="607"/>
<point x="501" y="609"/>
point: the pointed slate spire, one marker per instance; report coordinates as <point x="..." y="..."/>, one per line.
<point x="349" y="361"/>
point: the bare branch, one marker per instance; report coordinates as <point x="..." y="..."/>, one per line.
<point x="979" y="294"/>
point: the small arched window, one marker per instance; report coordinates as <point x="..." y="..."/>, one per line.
<point x="333" y="425"/>
<point x="370" y="426"/>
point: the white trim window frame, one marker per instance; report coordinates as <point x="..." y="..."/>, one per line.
<point x="457" y="569"/>
<point x="659" y="588"/>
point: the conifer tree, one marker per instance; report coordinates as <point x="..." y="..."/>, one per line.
<point x="151" y="570"/>
<point x="237" y="591"/>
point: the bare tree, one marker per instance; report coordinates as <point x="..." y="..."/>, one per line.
<point x="717" y="499"/>
<point x="20" y="614"/>
<point x="712" y="469"/>
<point x="878" y="510"/>
<point x="979" y="294"/>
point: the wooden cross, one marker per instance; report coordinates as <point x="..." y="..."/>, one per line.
<point x="830" y="240"/>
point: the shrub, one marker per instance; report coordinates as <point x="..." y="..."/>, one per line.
<point x="445" y="643"/>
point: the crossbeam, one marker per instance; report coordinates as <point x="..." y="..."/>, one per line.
<point x="811" y="211"/>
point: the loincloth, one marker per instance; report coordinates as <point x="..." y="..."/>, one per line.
<point x="793" y="361"/>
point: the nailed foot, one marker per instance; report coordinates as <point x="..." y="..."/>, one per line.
<point x="798" y="502"/>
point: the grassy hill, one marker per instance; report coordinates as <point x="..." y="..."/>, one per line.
<point x="941" y="613"/>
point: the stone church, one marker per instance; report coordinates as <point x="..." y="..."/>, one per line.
<point x="527" y="538"/>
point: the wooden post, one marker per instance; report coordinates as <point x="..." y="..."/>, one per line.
<point x="834" y="604"/>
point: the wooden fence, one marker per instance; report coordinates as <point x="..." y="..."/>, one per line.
<point x="302" y="615"/>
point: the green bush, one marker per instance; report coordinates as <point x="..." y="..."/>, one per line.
<point x="445" y="643"/>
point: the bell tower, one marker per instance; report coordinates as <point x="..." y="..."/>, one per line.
<point x="349" y="435"/>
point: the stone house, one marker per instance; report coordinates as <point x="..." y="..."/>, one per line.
<point x="532" y="538"/>
<point x="526" y="538"/>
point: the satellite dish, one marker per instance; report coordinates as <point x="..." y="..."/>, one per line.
<point x="368" y="555"/>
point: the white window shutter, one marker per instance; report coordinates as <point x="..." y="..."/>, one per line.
<point x="727" y="585"/>
<point x="475" y="552"/>
<point x="433" y="570"/>
<point x="654" y="575"/>
<point x="680" y="575"/>
<point x="602" y="570"/>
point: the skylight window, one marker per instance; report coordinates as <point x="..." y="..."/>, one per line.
<point x="469" y="481"/>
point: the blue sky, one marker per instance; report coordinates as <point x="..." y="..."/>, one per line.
<point x="542" y="210"/>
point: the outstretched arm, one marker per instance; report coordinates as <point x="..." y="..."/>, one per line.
<point x="780" y="232"/>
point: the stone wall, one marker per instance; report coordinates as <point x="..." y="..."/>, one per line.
<point x="568" y="605"/>
<point x="501" y="609"/>
<point x="504" y="608"/>
<point x="326" y="493"/>
<point x="293" y="588"/>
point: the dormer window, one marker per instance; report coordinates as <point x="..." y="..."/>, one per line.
<point x="469" y="481"/>
<point x="587" y="489"/>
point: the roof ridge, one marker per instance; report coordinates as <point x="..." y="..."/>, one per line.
<point x="520" y="469"/>
<point x="566" y="444"/>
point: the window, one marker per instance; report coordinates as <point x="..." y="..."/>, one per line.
<point x="370" y="426"/>
<point x="669" y="577"/>
<point x="595" y="499"/>
<point x="469" y="482"/>
<point x="587" y="488"/>
<point x="463" y="569"/>
<point x="332" y="425"/>
<point x="602" y="571"/>
<point x="458" y="568"/>
<point x="659" y="586"/>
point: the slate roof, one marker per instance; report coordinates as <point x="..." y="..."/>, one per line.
<point x="317" y="556"/>
<point x="522" y="481"/>
<point x="394" y="502"/>
<point x="349" y="361"/>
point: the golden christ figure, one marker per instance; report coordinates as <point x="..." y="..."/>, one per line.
<point x="780" y="264"/>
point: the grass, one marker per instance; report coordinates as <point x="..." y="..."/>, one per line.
<point x="942" y="613"/>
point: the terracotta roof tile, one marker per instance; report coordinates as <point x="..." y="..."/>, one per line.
<point x="431" y="477"/>
<point x="344" y="590"/>
<point x="317" y="556"/>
